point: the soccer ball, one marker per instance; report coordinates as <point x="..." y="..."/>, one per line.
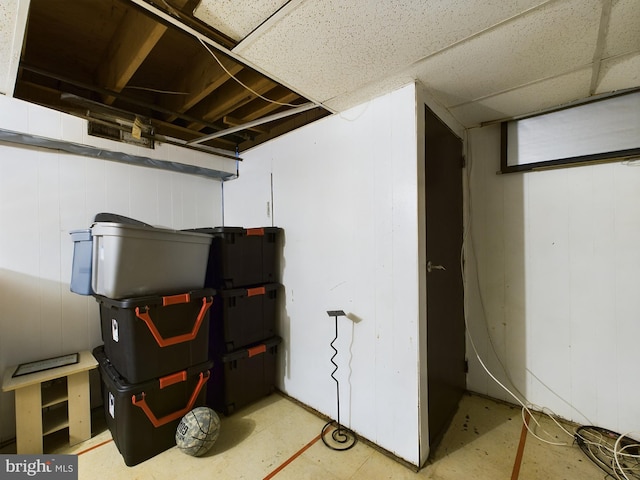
<point x="198" y="431"/>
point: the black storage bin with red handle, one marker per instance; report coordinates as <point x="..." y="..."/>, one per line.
<point x="143" y="417"/>
<point x="151" y="336"/>
<point x="243" y="376"/>
<point x="243" y="316"/>
<point x="240" y="257"/>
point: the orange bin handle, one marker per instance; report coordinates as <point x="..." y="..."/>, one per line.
<point x="158" y="422"/>
<point x="186" y="337"/>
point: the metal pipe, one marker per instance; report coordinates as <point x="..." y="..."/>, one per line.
<point x="276" y="116"/>
<point x="118" y="95"/>
<point x="104" y="154"/>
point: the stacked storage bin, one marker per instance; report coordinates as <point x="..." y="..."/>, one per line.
<point x="154" y="314"/>
<point x="243" y="344"/>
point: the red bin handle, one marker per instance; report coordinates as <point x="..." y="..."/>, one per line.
<point x="186" y="337"/>
<point x="256" y="291"/>
<point x="158" y="422"/>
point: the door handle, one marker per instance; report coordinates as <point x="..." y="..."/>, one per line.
<point x="431" y="266"/>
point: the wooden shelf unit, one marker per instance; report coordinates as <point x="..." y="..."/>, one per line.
<point x="51" y="400"/>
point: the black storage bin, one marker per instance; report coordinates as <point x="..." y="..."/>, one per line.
<point x="242" y="316"/>
<point x="241" y="257"/>
<point x="148" y="337"/>
<point x="243" y="376"/>
<point x="143" y="417"/>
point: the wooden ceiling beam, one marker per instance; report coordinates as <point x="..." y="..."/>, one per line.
<point x="38" y="94"/>
<point x="234" y="122"/>
<point x="204" y="76"/>
<point x="132" y="42"/>
<point x="229" y="97"/>
<point x="171" y="130"/>
<point x="285" y="126"/>
<point x="259" y="108"/>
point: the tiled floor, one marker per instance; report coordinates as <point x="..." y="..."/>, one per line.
<point x="265" y="440"/>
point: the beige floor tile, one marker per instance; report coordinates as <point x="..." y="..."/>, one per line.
<point x="541" y="460"/>
<point x="381" y="467"/>
<point x="480" y="444"/>
<point x="342" y="465"/>
<point x="303" y="468"/>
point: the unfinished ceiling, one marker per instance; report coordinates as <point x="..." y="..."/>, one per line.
<point x="483" y="60"/>
<point x="111" y="61"/>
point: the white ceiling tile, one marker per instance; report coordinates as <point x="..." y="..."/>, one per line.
<point x="526" y="100"/>
<point x="619" y="73"/>
<point x="236" y="19"/>
<point x="367" y="92"/>
<point x="556" y="39"/>
<point x="12" y="27"/>
<point x="332" y="47"/>
<point x="624" y="28"/>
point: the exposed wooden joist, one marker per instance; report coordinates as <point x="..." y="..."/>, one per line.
<point x="39" y="94"/>
<point x="259" y="108"/>
<point x="204" y="76"/>
<point x="134" y="39"/>
<point x="81" y="53"/>
<point x="284" y="126"/>
<point x="146" y="107"/>
<point x="234" y="122"/>
<point x="171" y="130"/>
<point x="229" y="97"/>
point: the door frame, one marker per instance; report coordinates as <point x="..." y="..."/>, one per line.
<point x="423" y="99"/>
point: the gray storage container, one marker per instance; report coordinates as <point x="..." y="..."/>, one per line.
<point x="137" y="260"/>
<point x="81" y="267"/>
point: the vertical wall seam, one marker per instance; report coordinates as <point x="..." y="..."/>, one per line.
<point x="603" y="30"/>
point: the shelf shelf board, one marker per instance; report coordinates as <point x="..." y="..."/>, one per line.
<point x="54" y="393"/>
<point x="54" y="419"/>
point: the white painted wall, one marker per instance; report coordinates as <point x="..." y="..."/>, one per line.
<point x="43" y="195"/>
<point x="558" y="263"/>
<point x="345" y="191"/>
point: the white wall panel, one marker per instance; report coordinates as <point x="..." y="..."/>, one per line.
<point x="44" y="122"/>
<point x="570" y="262"/>
<point x="345" y="193"/>
<point x="14" y="115"/>
<point x="256" y="179"/>
<point x="547" y="256"/>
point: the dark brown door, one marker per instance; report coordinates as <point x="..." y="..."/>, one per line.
<point x="445" y="308"/>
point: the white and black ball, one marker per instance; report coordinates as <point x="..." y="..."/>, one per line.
<point x="198" y="431"/>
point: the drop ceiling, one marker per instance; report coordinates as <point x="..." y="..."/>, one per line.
<point x="178" y="64"/>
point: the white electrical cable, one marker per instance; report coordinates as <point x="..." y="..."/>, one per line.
<point x="237" y="80"/>
<point x="524" y="406"/>
<point x="617" y="453"/>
